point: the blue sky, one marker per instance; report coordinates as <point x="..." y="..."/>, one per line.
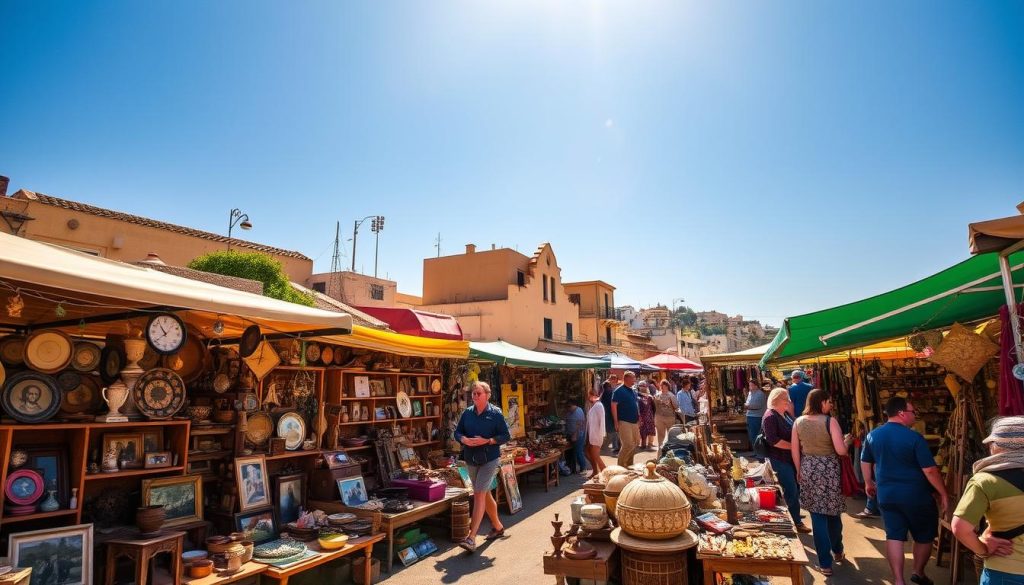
<point x="767" y="159"/>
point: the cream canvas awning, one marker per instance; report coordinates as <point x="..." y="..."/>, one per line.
<point x="92" y="293"/>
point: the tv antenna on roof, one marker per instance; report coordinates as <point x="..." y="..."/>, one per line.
<point x="437" y="244"/>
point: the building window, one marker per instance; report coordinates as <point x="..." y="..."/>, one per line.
<point x="608" y="335"/>
<point x="553" y="297"/>
<point x="320" y="287"/>
<point x="568" y="331"/>
<point x="520" y="278"/>
<point x="548" y="333"/>
<point x="377" y="292"/>
<point x="544" y="277"/>
<point x="574" y="298"/>
<point x="607" y="308"/>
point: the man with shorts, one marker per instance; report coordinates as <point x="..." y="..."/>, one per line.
<point x="900" y="472"/>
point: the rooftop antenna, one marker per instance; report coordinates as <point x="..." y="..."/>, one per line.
<point x="437" y="244"/>
<point x="336" y="262"/>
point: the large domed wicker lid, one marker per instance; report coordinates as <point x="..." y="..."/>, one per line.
<point x="653" y="507"/>
<point x="618" y="482"/>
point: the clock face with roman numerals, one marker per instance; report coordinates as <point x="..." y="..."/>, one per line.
<point x="166" y="333"/>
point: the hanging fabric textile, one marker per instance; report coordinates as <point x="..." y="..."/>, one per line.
<point x="1011" y="399"/>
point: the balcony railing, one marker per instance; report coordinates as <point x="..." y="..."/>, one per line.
<point x="603" y="313"/>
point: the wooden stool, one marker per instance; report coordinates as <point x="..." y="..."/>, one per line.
<point x="142" y="551"/>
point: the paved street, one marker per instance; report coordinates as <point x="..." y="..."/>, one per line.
<point x="517" y="559"/>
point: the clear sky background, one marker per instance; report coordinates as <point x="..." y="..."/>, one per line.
<point x="762" y="158"/>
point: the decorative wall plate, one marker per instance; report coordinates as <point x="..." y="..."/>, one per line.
<point x="250" y="340"/>
<point x="49" y="351"/>
<point x="404" y="404"/>
<point x="292" y="428"/>
<point x="30" y="397"/>
<point x="111" y="363"/>
<point x="12" y="350"/>
<point x="68" y="380"/>
<point x="312" y="352"/>
<point x="258" y="428"/>
<point x="84" y="398"/>
<point x="327" y="355"/>
<point x="24" y="487"/>
<point x="159" y="393"/>
<point x="86" y="356"/>
<point x="435" y="386"/>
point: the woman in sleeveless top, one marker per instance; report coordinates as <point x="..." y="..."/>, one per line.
<point x="665" y="407"/>
<point x="817" y="445"/>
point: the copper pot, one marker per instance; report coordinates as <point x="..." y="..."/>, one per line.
<point x="150" y="519"/>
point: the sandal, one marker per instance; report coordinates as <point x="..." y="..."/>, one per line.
<point x="921" y="580"/>
<point x="838" y="557"/>
<point x="826" y="572"/>
<point x="496" y="534"/>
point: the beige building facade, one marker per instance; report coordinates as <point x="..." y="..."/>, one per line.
<point x="122" y="236"/>
<point x="501" y="294"/>
<point x="356" y="289"/>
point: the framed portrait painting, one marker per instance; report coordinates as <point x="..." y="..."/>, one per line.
<point x="289" y="496"/>
<point x="181" y="497"/>
<point x="58" y="556"/>
<point x="253" y="487"/>
<point x="128" y="447"/>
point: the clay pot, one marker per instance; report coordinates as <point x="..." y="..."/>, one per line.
<point x="150" y="519"/>
<point x="199" y="569"/>
<point x="653" y="508"/>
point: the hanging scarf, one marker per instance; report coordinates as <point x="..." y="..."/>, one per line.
<point x="1000" y="461"/>
<point x="1011" y="399"/>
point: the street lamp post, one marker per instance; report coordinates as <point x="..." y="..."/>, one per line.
<point x="376" y="226"/>
<point x="355" y="233"/>
<point x="240" y="219"/>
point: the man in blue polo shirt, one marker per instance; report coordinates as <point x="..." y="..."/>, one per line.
<point x="900" y="472"/>
<point x="626" y="414"/>
<point x="798" y="392"/>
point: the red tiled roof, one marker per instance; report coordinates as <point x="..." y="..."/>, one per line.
<point x="145" y="221"/>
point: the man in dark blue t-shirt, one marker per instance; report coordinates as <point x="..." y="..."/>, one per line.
<point x="900" y="472"/>
<point x="626" y="414"/>
<point x="798" y="392"/>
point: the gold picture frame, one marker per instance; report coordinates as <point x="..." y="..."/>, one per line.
<point x="129" y="448"/>
<point x="252" y="482"/>
<point x="181" y="497"/>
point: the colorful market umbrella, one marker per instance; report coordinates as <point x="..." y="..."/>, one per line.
<point x="668" y="361"/>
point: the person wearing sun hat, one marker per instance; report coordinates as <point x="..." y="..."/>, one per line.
<point x="996" y="491"/>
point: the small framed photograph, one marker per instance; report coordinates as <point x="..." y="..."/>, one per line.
<point x="336" y="459"/>
<point x="380" y="413"/>
<point x="377" y="388"/>
<point x="417" y="408"/>
<point x="253" y="487"/>
<point x="407" y="556"/>
<point x="128" y="447"/>
<point x="353" y="491"/>
<point x="362" y="385"/>
<point x="152" y="440"/>
<point x="258" y="526"/>
<point x="157" y="459"/>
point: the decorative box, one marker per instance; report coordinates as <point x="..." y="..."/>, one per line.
<point x="426" y="491"/>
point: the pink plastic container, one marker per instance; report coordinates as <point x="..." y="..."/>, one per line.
<point x="425" y="491"/>
<point x="766" y="496"/>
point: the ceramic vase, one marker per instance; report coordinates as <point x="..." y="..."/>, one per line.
<point x="115" y="395"/>
<point x="73" y="503"/>
<point x="50" y="504"/>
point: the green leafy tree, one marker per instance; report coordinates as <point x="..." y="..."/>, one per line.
<point x="684" y="317"/>
<point x="254" y="266"/>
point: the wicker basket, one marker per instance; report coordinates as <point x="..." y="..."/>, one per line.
<point x="652" y="569"/>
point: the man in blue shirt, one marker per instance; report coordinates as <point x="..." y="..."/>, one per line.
<point x="684" y="397"/>
<point x="900" y="472"/>
<point x="626" y="414"/>
<point x="576" y="431"/>
<point x="798" y="392"/>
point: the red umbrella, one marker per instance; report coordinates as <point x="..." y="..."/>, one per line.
<point x="668" y="361"/>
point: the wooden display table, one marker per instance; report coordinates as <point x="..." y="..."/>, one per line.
<point x="600" y="568"/>
<point x="734" y="428"/>
<point x="550" y="466"/>
<point x="794" y="568"/>
<point x="141" y="551"/>
<point x="363" y="543"/>
<point x="392" y="522"/>
<point x="653" y="562"/>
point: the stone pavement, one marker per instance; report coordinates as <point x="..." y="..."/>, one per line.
<point x="516" y="560"/>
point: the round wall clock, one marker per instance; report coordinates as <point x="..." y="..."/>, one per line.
<point x="24" y="487"/>
<point x="159" y="393"/>
<point x="166" y="333"/>
<point x="30" y="397"/>
<point x="111" y="363"/>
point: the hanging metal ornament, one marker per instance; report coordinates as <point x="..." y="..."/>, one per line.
<point x="1018" y="371"/>
<point x="15" y="305"/>
<point x="60" y="311"/>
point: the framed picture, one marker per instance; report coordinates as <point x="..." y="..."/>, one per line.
<point x="508" y="481"/>
<point x="253" y="488"/>
<point x="258" y="525"/>
<point x="362" y="385"/>
<point x="51" y="462"/>
<point x="421" y="385"/>
<point x="128" y="447"/>
<point x="58" y="556"/>
<point x="152" y="440"/>
<point x="336" y="459"/>
<point x="380" y="413"/>
<point x="424" y="548"/>
<point x="290" y="496"/>
<point x="377" y="388"/>
<point x="512" y="407"/>
<point x="353" y="491"/>
<point x="417" y="408"/>
<point x="181" y="497"/>
<point x="407" y="556"/>
<point x="157" y="459"/>
<point x="405" y="385"/>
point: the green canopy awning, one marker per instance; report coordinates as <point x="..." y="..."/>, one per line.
<point x="965" y="292"/>
<point x="506" y="354"/>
